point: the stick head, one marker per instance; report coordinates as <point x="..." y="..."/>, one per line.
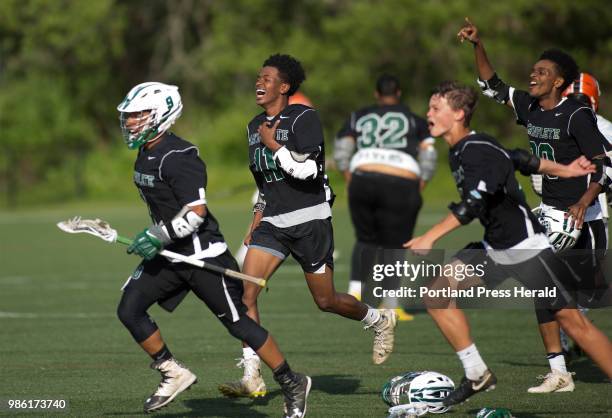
<point x="96" y="227"/>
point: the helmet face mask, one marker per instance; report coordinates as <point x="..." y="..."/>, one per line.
<point x="147" y="111"/>
<point x="137" y="128"/>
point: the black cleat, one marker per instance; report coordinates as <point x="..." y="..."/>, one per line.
<point x="469" y="387"/>
<point x="296" y="390"/>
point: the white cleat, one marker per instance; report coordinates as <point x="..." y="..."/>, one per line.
<point x="384" y="335"/>
<point x="555" y="381"/>
<point x="251" y="385"/>
<point x="175" y="379"/>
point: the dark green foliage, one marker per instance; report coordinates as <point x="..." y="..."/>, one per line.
<point x="66" y="64"/>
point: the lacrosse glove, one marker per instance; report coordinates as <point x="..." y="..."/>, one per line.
<point x="146" y="245"/>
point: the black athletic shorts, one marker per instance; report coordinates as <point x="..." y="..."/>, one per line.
<point x="586" y="260"/>
<point x="384" y="208"/>
<point x="168" y="283"/>
<point x="310" y="243"/>
<point x="475" y="254"/>
<point x="543" y="271"/>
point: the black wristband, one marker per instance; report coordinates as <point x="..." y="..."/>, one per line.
<point x="525" y="162"/>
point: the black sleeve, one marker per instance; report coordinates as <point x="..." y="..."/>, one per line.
<point x="308" y="132"/>
<point x="185" y="172"/>
<point x="348" y="129"/>
<point x="485" y="168"/>
<point x="521" y="102"/>
<point x="582" y="126"/>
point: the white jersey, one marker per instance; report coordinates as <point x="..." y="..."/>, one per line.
<point x="605" y="127"/>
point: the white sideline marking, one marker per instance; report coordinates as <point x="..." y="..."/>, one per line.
<point x="31" y="315"/>
<point x="80" y="315"/>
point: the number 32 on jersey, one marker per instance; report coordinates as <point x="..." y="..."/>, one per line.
<point x="386" y="131"/>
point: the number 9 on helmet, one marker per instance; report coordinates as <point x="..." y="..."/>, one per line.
<point x="426" y="387"/>
<point x="147" y="111"/>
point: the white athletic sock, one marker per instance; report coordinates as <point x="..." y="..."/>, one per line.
<point x="472" y="362"/>
<point x="390" y="303"/>
<point x="248" y="352"/>
<point x="557" y="362"/>
<point x="372" y="317"/>
<point x="354" y="288"/>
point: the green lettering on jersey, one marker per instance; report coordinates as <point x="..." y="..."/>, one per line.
<point x="269" y="169"/>
<point x="543" y="150"/>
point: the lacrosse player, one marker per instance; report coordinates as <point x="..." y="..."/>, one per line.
<point x="386" y="155"/>
<point x="293" y="213"/>
<point x="559" y="129"/>
<point x="514" y="242"/>
<point x="297" y="98"/>
<point x="171" y="179"/>
<point x="584" y="89"/>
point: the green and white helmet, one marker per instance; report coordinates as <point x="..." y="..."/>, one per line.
<point x="561" y="234"/>
<point x="425" y="387"/>
<point x="151" y="108"/>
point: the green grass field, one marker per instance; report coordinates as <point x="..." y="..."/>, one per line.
<point x="60" y="337"/>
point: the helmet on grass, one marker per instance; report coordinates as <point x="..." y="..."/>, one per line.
<point x="425" y="387"/>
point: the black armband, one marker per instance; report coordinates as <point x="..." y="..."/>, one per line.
<point x="495" y="88"/>
<point x="259" y="207"/>
<point x="461" y="212"/>
<point x="472" y="206"/>
<point x="599" y="175"/>
<point x="525" y="162"/>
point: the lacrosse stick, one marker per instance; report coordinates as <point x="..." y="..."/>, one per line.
<point x="103" y="230"/>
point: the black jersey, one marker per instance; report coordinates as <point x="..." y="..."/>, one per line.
<point x="290" y="201"/>
<point x="482" y="167"/>
<point x="561" y="134"/>
<point x="390" y="126"/>
<point x="169" y="176"/>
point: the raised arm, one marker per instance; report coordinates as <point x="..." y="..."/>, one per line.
<point x="488" y="80"/>
<point x="528" y="164"/>
<point x="469" y="32"/>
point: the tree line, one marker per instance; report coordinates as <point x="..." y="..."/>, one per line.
<point x="66" y="64"/>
